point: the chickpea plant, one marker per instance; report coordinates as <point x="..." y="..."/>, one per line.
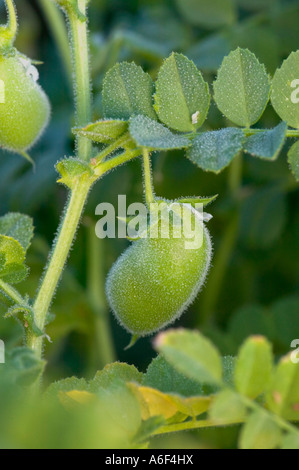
<point x="188" y="385"/>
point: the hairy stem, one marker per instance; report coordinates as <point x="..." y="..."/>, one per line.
<point x="118" y="143"/>
<point x="9" y="31"/>
<point x="11" y="292"/>
<point x="58" y="259"/>
<point x="190" y="425"/>
<point x="116" y="161"/>
<point x="75" y="205"/>
<point x="289" y="133"/>
<point x="82" y="89"/>
<point x="147" y="174"/>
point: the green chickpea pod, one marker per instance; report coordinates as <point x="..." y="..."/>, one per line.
<point x="156" y="279"/>
<point x="24" y="107"/>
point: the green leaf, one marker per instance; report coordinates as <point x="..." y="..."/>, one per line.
<point x="260" y="432"/>
<point x="14" y="273"/>
<point x="19" y="227"/>
<point x="103" y="131"/>
<point x="197" y="200"/>
<point x="24" y="366"/>
<point x="164" y="377"/>
<point x="191" y="354"/>
<point x="291" y="442"/>
<point x="12" y="256"/>
<point x="65" y="385"/>
<point x="283" y="396"/>
<point x="155" y="136"/>
<point x="182" y="96"/>
<point x="229" y="364"/>
<point x="127" y="92"/>
<point x="121" y="405"/>
<point x="210" y="14"/>
<point x="267" y="144"/>
<point x="227" y="407"/>
<point x="148" y="427"/>
<point x="71" y="169"/>
<point x="293" y="159"/>
<point x="171" y="406"/>
<point x="284" y="96"/>
<point x="114" y="372"/>
<point x="253" y="367"/>
<point x="213" y="151"/>
<point x="27" y="316"/>
<point x="242" y="88"/>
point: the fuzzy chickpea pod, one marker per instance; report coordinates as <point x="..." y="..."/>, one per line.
<point x="25" y="108"/>
<point x="157" y="278"/>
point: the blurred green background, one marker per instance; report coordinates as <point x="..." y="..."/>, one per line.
<point x="253" y="286"/>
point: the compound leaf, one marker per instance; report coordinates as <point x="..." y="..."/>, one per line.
<point x="12" y="257"/>
<point x="19" y="227"/>
<point x="283" y="396"/>
<point x="151" y="134"/>
<point x="191" y="354"/>
<point x="103" y="131"/>
<point x="182" y="96"/>
<point x="267" y="144"/>
<point x="253" y="367"/>
<point x="260" y="432"/>
<point x="285" y="90"/>
<point x="214" y="150"/>
<point x="127" y="91"/>
<point x="242" y="88"/>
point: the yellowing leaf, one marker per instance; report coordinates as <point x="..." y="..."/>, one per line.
<point x="155" y="403"/>
<point x="169" y="405"/>
<point x="81" y="396"/>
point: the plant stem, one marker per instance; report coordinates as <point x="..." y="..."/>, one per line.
<point x="190" y="425"/>
<point x="74" y="208"/>
<point x="274" y="417"/>
<point x="9" y="31"/>
<point x="57" y="25"/>
<point x="197" y="424"/>
<point x="12" y="293"/>
<point x="58" y="258"/>
<point x="96" y="292"/>
<point x="116" y="161"/>
<point x="147" y="175"/>
<point x="12" y="25"/>
<point x="80" y="57"/>
<point x="63" y="245"/>
<point x="289" y="133"/>
<point x="120" y="142"/>
<point x="235" y="176"/>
